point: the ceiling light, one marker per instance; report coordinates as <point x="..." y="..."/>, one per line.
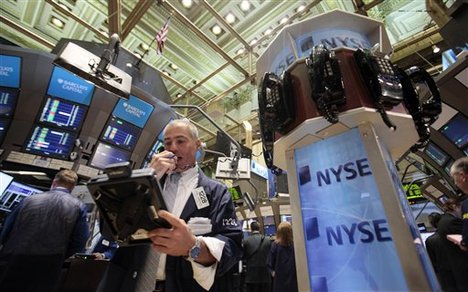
<point x="240" y="51"/>
<point x="245" y="5"/>
<point x="57" y="22"/>
<point x="230" y="18"/>
<point x="179" y="95"/>
<point x="284" y="20"/>
<point x="253" y="42"/>
<point x="145" y="47"/>
<point x="216" y="29"/>
<point x="187" y="3"/>
<point x="64" y="6"/>
<point x="268" y="31"/>
<point x="173" y="66"/>
<point x="435" y="49"/>
<point x="301" y="8"/>
<point x="166" y="73"/>
<point x="137" y="55"/>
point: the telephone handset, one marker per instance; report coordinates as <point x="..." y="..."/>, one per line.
<point x="423" y="113"/>
<point x="276" y="110"/>
<point x="382" y="81"/>
<point x="326" y="82"/>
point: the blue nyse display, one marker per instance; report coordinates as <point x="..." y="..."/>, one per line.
<point x="10" y="71"/>
<point x="133" y="110"/>
<point x="66" y="85"/>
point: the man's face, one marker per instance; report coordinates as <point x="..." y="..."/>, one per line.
<point x="460" y="180"/>
<point x="178" y="140"/>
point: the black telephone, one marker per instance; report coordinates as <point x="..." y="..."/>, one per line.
<point x="425" y="112"/>
<point x="276" y="110"/>
<point x="382" y="81"/>
<point x="326" y="82"/>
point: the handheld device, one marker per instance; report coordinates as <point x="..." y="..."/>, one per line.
<point x="128" y="201"/>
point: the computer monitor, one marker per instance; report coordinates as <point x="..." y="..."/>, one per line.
<point x="10" y="71"/>
<point x="437" y="154"/>
<point x="120" y="133"/>
<point x="236" y="193"/>
<point x="223" y="144"/>
<point x="156" y="148"/>
<point x="4" y="123"/>
<point x="14" y="194"/>
<point x="456" y="130"/>
<point x="62" y="114"/>
<point x="5" y="181"/>
<point x="134" y="110"/>
<point x="50" y="142"/>
<point x="286" y="218"/>
<point x="268" y="220"/>
<point x="67" y="85"/>
<point x="269" y="230"/>
<point x="107" y="154"/>
<point x="8" y="97"/>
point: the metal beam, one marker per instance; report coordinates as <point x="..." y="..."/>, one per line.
<point x="114" y="8"/>
<point x="27" y="32"/>
<point x="134" y="17"/>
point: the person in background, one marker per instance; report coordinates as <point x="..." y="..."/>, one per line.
<point x="104" y="249"/>
<point x="256" y="251"/>
<point x="40" y="234"/>
<point x="435" y="250"/>
<point x="459" y="173"/>
<point x="281" y="261"/>
<point x="455" y="260"/>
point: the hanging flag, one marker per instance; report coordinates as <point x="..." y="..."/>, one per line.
<point x="161" y="36"/>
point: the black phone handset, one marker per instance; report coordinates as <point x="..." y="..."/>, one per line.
<point x="382" y="81"/>
<point x="426" y="112"/>
<point x="276" y="113"/>
<point x="326" y="82"/>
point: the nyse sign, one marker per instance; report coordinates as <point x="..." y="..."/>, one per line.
<point x="348" y="242"/>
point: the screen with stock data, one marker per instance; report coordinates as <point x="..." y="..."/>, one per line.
<point x="121" y="133"/>
<point x="14" y="194"/>
<point x="107" y="154"/>
<point x="8" y="98"/>
<point x="51" y="142"/>
<point x="63" y="114"/>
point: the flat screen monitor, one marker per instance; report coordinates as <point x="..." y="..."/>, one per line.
<point x="133" y="110"/>
<point x="286" y="218"/>
<point x="268" y="220"/>
<point x="107" y="154"/>
<point x="5" y="181"/>
<point x="437" y="154"/>
<point x="67" y="85"/>
<point x="14" y="194"/>
<point x="456" y="130"/>
<point x="10" y="71"/>
<point x="236" y="193"/>
<point x="448" y="166"/>
<point x="3" y="128"/>
<point x="269" y="230"/>
<point x="223" y="144"/>
<point x="63" y="114"/>
<point x="50" y="142"/>
<point x="8" y="97"/>
<point x="120" y="133"/>
<point x="156" y="148"/>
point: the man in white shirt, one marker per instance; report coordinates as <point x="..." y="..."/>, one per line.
<point x="205" y="239"/>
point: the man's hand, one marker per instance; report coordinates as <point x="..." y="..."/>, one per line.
<point x="164" y="162"/>
<point x="176" y="241"/>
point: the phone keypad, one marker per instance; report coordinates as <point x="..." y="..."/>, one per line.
<point x="385" y="66"/>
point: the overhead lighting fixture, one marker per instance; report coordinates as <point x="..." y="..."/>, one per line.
<point x="284" y="20"/>
<point x="187" y="3"/>
<point x="435" y="49"/>
<point x="240" y="51"/>
<point x="230" y="18"/>
<point x="253" y="42"/>
<point x="138" y="55"/>
<point x="179" y="95"/>
<point x="144" y="46"/>
<point x="166" y="73"/>
<point x="64" y="6"/>
<point x="216" y="29"/>
<point x="57" y="22"/>
<point x="268" y="31"/>
<point x="301" y="8"/>
<point x="173" y="66"/>
<point x="245" y="5"/>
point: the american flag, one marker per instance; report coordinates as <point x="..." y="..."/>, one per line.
<point x="161" y="36"/>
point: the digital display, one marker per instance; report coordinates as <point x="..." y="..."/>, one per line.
<point x="8" y="97"/>
<point x="133" y="110"/>
<point x="67" y="85"/>
<point x="155" y="149"/>
<point x="10" y="71"/>
<point x="286" y="218"/>
<point x="456" y="130"/>
<point x="236" y="193"/>
<point x="3" y="128"/>
<point x="62" y="114"/>
<point x="5" y="181"/>
<point x="121" y="133"/>
<point x="107" y="154"/>
<point x="434" y="152"/>
<point x="269" y="230"/>
<point x="50" y="142"/>
<point x="268" y="220"/>
<point x="413" y="192"/>
<point x="14" y="194"/>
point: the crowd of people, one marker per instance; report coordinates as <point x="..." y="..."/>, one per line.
<point x="202" y="247"/>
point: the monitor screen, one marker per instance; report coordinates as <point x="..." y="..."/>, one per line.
<point x="3" y="128"/>
<point x="236" y="193"/>
<point x="456" y="130"/>
<point x="133" y="110"/>
<point x="268" y="220"/>
<point x="107" y="154"/>
<point x="14" y="194"/>
<point x="286" y="218"/>
<point x="8" y="97"/>
<point x="434" y="152"/>
<point x="50" y="142"/>
<point x="63" y="114"/>
<point x="68" y="86"/>
<point x="270" y="230"/>
<point x="5" y="181"/>
<point x="10" y="71"/>
<point x="223" y="144"/>
<point x="157" y="147"/>
<point x="121" y="133"/>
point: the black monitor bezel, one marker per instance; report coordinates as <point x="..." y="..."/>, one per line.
<point x="20" y="70"/>
<point x="426" y="152"/>
<point x="17" y="93"/>
<point x="50" y="80"/>
<point x="96" y="147"/>
<point x="53" y="155"/>
<point x="44" y="101"/>
<point x="110" y="142"/>
<point x="441" y="130"/>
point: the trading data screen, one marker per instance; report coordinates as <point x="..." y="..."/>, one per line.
<point x="456" y="130"/>
<point x="8" y="98"/>
<point x="14" y="194"/>
<point x="439" y="156"/>
<point x="51" y="142"/>
<point x="121" y="133"/>
<point x="107" y="154"/>
<point x="3" y="128"/>
<point x="64" y="114"/>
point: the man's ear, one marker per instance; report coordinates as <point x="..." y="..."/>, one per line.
<point x="198" y="143"/>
